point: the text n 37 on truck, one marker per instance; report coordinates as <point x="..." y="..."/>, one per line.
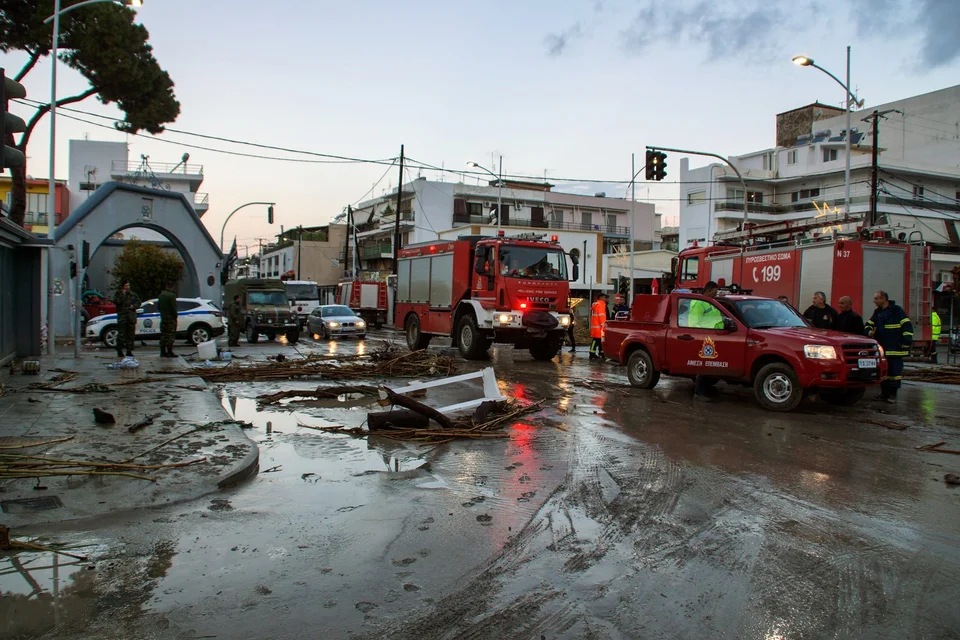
<point x="481" y="290"/>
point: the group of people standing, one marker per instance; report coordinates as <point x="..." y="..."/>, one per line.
<point x="128" y="302"/>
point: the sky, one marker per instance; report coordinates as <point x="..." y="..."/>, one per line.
<point x="563" y="88"/>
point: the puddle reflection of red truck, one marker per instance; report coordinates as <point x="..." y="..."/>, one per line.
<point x="757" y="342"/>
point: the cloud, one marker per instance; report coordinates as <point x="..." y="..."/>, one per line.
<point x="557" y="43"/>
<point x="938" y="19"/>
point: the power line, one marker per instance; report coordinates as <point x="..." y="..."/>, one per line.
<point x="900" y="200"/>
<point x="896" y="177"/>
<point x="913" y="215"/>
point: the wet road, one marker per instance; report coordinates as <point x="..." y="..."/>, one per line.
<point x="614" y="513"/>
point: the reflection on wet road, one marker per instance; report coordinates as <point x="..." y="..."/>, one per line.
<point x="615" y="513"/>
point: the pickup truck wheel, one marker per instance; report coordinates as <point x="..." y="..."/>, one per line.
<point x="252" y="334"/>
<point x="416" y="341"/>
<point x="776" y="387"/>
<point x="640" y="370"/>
<point x="545" y="349"/>
<point x="842" y="397"/>
<point x="472" y="345"/>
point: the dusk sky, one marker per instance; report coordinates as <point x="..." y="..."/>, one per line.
<point x="566" y="87"/>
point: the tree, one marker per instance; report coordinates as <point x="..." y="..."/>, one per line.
<point x="102" y="42"/>
<point x="147" y="267"/>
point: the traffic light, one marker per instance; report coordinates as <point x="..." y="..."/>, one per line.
<point x="660" y="166"/>
<point x="649" y="163"/>
<point x="85" y="255"/>
<point x="270" y="214"/>
<point x="10" y="158"/>
<point x="73" y="269"/>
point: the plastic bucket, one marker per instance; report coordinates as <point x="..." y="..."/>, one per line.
<point x="207" y="350"/>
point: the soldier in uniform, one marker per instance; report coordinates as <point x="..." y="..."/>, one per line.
<point x="235" y="318"/>
<point x="127" y="303"/>
<point x="167" y="304"/>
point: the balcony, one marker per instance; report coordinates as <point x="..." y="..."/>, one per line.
<point x="608" y="230"/>
<point x="376" y="251"/>
<point x="201" y="202"/>
<point x="150" y="173"/>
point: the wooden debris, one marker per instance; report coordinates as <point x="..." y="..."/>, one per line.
<point x="320" y="393"/>
<point x="941" y="375"/>
<point x="406" y="402"/>
<point x="938" y="448"/>
<point x="889" y="424"/>
<point x="146" y="422"/>
<point x="35" y="444"/>
<point x="103" y="417"/>
<point x="951" y="478"/>
<point x="8" y="544"/>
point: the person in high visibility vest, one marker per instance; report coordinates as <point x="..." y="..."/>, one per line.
<point x="598" y="322"/>
<point x="936" y="325"/>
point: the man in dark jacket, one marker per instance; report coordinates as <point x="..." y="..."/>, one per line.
<point x="167" y="305"/>
<point x="235" y="317"/>
<point x="127" y="304"/>
<point x="847" y="320"/>
<point x="891" y="327"/>
<point x="820" y="314"/>
<point x="620" y="307"/>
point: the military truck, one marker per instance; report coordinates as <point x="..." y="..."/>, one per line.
<point x="265" y="307"/>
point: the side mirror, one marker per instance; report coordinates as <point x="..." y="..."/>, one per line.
<point x="480" y="266"/>
<point x="729" y="325"/>
<point x="576" y="272"/>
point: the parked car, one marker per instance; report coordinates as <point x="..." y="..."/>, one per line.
<point x="198" y="320"/>
<point x="331" y="320"/>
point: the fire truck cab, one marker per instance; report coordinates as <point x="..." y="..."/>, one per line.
<point x="481" y="289"/>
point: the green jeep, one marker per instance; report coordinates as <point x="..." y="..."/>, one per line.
<point x="266" y="309"/>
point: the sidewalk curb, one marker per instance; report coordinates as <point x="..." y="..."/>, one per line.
<point x="246" y="468"/>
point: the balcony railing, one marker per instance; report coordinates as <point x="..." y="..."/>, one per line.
<point x="374" y="251"/>
<point x="736" y="206"/>
<point x="201" y="199"/>
<point x="610" y="230"/>
<point x="157" y="167"/>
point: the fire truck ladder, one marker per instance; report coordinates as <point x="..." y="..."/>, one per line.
<point x="766" y="229"/>
<point x="920" y="291"/>
<point x="381" y="297"/>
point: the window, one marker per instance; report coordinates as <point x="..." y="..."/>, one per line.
<point x="187" y="305"/>
<point x="696" y="197"/>
<point x="611" y="220"/>
<point x="336" y="311"/>
<point x="755" y="196"/>
<point x="691" y="268"/>
<point x="532" y="263"/>
<point x="474" y="209"/>
<point x="698" y="314"/>
<point x="735" y="194"/>
<point x="556" y="218"/>
<point x="37" y="202"/>
<point x="804" y="194"/>
<point x="829" y="155"/>
<point x="917" y="192"/>
<point x="149" y="307"/>
<point x="586" y="219"/>
<point x="792" y="157"/>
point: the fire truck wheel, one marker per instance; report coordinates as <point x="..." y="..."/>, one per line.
<point x="640" y="370"/>
<point x="776" y="387"/>
<point x="841" y="397"/>
<point x="416" y="341"/>
<point x="546" y="349"/>
<point x="252" y="334"/>
<point x="472" y="345"/>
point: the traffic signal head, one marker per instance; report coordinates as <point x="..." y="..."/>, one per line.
<point x="649" y="164"/>
<point x="660" y="166"/>
<point x="10" y="158"/>
<point x="270" y="214"/>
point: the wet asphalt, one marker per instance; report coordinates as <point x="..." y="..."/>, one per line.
<point x="613" y="513"/>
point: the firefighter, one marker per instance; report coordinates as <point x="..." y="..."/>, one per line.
<point x="936" y="326"/>
<point x="598" y="322"/>
<point x="167" y="305"/>
<point x="820" y="314"/>
<point x="235" y="319"/>
<point x="891" y="327"/>
<point x="848" y="320"/>
<point x="620" y="306"/>
<point x="127" y="303"/>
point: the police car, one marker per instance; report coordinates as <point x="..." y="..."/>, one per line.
<point x="198" y="320"/>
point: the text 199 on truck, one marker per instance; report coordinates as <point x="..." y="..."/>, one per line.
<point x="480" y="290"/>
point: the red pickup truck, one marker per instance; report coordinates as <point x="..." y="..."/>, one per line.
<point x="762" y="342"/>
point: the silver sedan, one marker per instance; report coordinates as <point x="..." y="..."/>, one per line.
<point x="334" y="320"/>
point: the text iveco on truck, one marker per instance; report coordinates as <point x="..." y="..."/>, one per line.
<point x="482" y="289"/>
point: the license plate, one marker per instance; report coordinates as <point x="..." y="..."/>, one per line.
<point x="867" y="363"/>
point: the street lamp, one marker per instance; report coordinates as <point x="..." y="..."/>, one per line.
<point x="499" y="186"/>
<point x="804" y="61"/>
<point x="249" y="204"/>
<point x="52" y="196"/>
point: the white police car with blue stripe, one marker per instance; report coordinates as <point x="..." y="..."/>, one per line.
<point x="198" y="320"/>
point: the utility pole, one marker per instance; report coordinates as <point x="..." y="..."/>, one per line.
<point x="396" y="227"/>
<point x="874" y="119"/>
<point x="346" y="240"/>
<point x="299" y="251"/>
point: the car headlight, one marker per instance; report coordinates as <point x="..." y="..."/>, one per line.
<point x="564" y="321"/>
<point x="819" y="352"/>
<point x="361" y="323"/>
<point x="882" y="354"/>
<point x="259" y="317"/>
<point x="505" y="318"/>
<point x="333" y="324"/>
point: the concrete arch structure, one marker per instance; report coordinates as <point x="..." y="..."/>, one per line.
<point x="116" y="206"/>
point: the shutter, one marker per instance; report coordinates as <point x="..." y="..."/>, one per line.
<point x="536" y="217"/>
<point x="459" y="207"/>
<point x="505" y="218"/>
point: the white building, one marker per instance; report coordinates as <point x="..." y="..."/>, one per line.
<point x="93" y="163"/>
<point x="919" y="173"/>
<point x="588" y="226"/>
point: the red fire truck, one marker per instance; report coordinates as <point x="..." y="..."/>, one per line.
<point x="367" y="298"/>
<point x="482" y="289"/>
<point x="797" y="258"/>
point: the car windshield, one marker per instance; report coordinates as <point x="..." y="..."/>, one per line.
<point x="301" y="292"/>
<point x="333" y="312"/>
<point x="533" y="262"/>
<point x="267" y="298"/>
<point x="765" y="314"/>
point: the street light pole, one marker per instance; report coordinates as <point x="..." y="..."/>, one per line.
<point x="222" y="228"/>
<point x="499" y="186"/>
<point x="804" y="61"/>
<point x="633" y="216"/>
